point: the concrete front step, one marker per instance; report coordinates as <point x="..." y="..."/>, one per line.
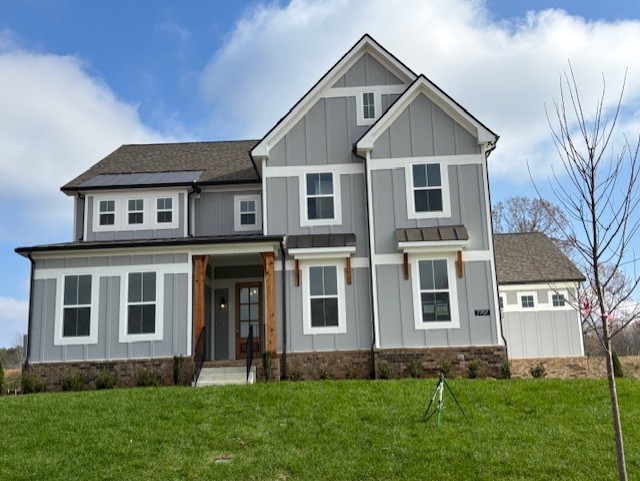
<point x="215" y="376"/>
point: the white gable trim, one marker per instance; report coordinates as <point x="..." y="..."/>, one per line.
<point x="365" y="45"/>
<point x="423" y="86"/>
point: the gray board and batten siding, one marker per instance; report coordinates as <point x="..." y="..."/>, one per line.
<point x="108" y="347"/>
<point x="424" y="130"/>
<point x="214" y="212"/>
<point x="135" y="234"/>
<point x="358" y="317"/>
<point x="544" y="333"/>
<point x="367" y="71"/>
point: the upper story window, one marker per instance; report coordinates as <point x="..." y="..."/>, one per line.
<point x="527" y="301"/>
<point x="76" y="317"/>
<point x="247" y="212"/>
<point x="558" y="300"/>
<point x="141" y="303"/>
<point x="427" y="188"/>
<point x="320" y="201"/>
<point x="164" y="210"/>
<point x="107" y="212"/>
<point x="427" y="185"/>
<point x="136" y="211"/>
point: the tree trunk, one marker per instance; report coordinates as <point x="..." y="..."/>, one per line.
<point x="615" y="411"/>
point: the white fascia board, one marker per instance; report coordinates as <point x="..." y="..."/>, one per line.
<point x="433" y="93"/>
<point x="428" y="246"/>
<point x="321" y="252"/>
<point x="541" y="286"/>
<point x="365" y="45"/>
<point x="202" y="249"/>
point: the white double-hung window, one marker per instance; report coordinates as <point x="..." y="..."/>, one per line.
<point x="435" y="293"/>
<point x="323" y="291"/>
<point x="320" y="199"/>
<point x="427" y="185"/>
<point x="76" y="319"/>
<point x="247" y="212"/>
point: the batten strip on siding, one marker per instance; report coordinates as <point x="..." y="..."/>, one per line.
<point x="402" y="162"/>
<point x="299" y="170"/>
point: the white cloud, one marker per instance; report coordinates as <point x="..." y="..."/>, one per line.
<point x="502" y="72"/>
<point x="13" y="319"/>
<point x="57" y="120"/>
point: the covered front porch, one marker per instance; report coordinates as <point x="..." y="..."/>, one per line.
<point x="234" y="304"/>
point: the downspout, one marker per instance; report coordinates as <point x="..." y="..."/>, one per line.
<point x="82" y="196"/>
<point x="30" y="314"/>
<point x="371" y="267"/>
<point x="283" y="364"/>
<point x="487" y="151"/>
<point x="195" y="190"/>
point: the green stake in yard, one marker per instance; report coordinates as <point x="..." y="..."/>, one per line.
<point x="439" y="391"/>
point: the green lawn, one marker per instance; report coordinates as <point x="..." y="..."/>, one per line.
<point x="334" y="430"/>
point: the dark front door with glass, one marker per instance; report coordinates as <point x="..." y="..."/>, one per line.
<point x="248" y="317"/>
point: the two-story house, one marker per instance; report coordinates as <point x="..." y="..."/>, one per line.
<point x="355" y="232"/>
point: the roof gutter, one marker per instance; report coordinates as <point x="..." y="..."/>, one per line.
<point x="283" y="364"/>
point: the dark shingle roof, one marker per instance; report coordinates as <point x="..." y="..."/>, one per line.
<point x="433" y="234"/>
<point x="531" y="257"/>
<point x="221" y="162"/>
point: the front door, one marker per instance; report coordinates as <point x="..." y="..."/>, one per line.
<point x="248" y="316"/>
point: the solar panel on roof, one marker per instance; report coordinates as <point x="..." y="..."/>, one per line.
<point x="143" y="178"/>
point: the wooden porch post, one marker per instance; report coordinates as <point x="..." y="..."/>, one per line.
<point x="270" y="298"/>
<point x="199" y="272"/>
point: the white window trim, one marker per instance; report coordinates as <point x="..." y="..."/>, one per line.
<point x="237" y="199"/>
<point x="145" y="212"/>
<point x="337" y="200"/>
<point x="124" y="336"/>
<point x="377" y="103"/>
<point x="92" y="338"/>
<point x="444" y="180"/>
<point x="521" y="294"/>
<point x="341" y="328"/>
<point x="149" y="212"/>
<point x="115" y="213"/>
<point x="417" y="298"/>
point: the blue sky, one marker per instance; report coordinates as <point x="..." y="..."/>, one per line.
<point x="78" y="79"/>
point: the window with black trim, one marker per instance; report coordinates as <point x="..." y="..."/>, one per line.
<point x="164" y="210"/>
<point x="558" y="299"/>
<point x="323" y="296"/>
<point x="320" y="196"/>
<point x="107" y="212"/>
<point x="135" y="211"/>
<point x="527" y="301"/>
<point x="434" y="290"/>
<point x="427" y="188"/>
<point x="76" y="317"/>
<point x="141" y="303"/>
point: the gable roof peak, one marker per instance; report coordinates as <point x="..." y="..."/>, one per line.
<point x="366" y="44"/>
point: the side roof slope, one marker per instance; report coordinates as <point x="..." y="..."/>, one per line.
<point x="526" y="258"/>
<point x="220" y="162"/>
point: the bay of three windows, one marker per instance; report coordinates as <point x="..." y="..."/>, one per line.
<point x="135" y="211"/>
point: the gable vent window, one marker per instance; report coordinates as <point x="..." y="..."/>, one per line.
<point x="527" y="301"/>
<point x="368" y="106"/>
<point x="107" y="212"/>
<point x="76" y="319"/>
<point x="136" y="211"/>
<point x="320" y="199"/>
<point x="164" y="209"/>
<point x="141" y="303"/>
<point x="427" y="188"/>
